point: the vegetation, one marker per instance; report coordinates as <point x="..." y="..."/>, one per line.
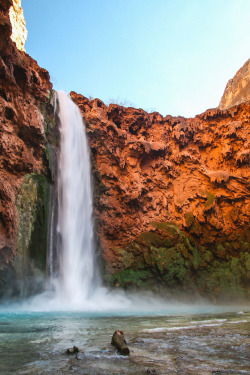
<point x="168" y="257"/>
<point x="210" y="200"/>
<point x="32" y="204"/>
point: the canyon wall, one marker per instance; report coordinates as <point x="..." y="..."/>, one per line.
<point x="238" y="88"/>
<point x="172" y="199"/>
<point x="171" y="194"/>
<point x="24" y="166"/>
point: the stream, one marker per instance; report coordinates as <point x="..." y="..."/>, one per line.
<point x="176" y="340"/>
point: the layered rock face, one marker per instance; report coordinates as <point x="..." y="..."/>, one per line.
<point x="238" y="88"/>
<point x="24" y="95"/>
<point x="18" y="23"/>
<point x="171" y="194"/>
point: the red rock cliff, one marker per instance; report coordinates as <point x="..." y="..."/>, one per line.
<point x="24" y="92"/>
<point x="171" y="194"/>
<point x="189" y="174"/>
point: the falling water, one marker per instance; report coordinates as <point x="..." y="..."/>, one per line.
<point x="75" y="223"/>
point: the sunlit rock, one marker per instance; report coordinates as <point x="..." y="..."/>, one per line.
<point x="238" y="88"/>
<point x="19" y="31"/>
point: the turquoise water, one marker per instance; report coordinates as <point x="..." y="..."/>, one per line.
<point x="197" y="340"/>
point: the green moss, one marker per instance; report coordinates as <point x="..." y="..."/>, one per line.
<point x="189" y="219"/>
<point x="51" y="130"/>
<point x="51" y="94"/>
<point x="167" y="254"/>
<point x="221" y="251"/>
<point x="210" y="200"/>
<point x="157" y="239"/>
<point x="227" y="278"/>
<point x="32" y="205"/>
<point x="170" y="229"/>
<point x="196" y="257"/>
<point x="150" y="237"/>
<point x="172" y="258"/>
<point x="206" y="257"/>
<point x="171" y="264"/>
<point x="178" y="272"/>
<point x="127" y="258"/>
<point x="165" y="226"/>
<point x="130" y="278"/>
<point x="179" y="236"/>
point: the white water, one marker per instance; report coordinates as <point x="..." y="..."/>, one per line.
<point x="75" y="223"/>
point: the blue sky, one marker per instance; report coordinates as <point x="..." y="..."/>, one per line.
<point x="172" y="56"/>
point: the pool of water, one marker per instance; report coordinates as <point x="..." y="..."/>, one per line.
<point x="196" y="340"/>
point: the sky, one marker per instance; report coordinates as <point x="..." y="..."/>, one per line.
<point x="170" y="56"/>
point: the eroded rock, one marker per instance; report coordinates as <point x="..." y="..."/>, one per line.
<point x="25" y="110"/>
<point x="190" y="172"/>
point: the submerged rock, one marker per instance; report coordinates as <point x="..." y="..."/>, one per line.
<point x="73" y="350"/>
<point x="151" y="371"/>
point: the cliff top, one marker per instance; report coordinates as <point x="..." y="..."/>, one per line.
<point x="237" y="90"/>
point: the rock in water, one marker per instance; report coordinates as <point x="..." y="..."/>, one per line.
<point x="151" y="371"/>
<point x="73" y="350"/>
<point x="119" y="342"/>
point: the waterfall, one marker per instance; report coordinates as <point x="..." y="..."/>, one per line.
<point x="75" y="222"/>
<point x="75" y="279"/>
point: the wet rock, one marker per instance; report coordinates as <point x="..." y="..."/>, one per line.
<point x="151" y="371"/>
<point x="73" y="350"/>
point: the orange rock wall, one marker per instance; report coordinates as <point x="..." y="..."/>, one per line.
<point x="191" y="173"/>
<point x="186" y="171"/>
<point x="24" y="90"/>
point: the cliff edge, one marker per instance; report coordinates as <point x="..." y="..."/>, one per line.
<point x="24" y="167"/>
<point x="237" y="90"/>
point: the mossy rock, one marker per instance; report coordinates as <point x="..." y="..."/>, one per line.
<point x="168" y="256"/>
<point x="190" y="219"/>
<point x="130" y="278"/>
<point x="210" y="200"/>
<point x="32" y="204"/>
